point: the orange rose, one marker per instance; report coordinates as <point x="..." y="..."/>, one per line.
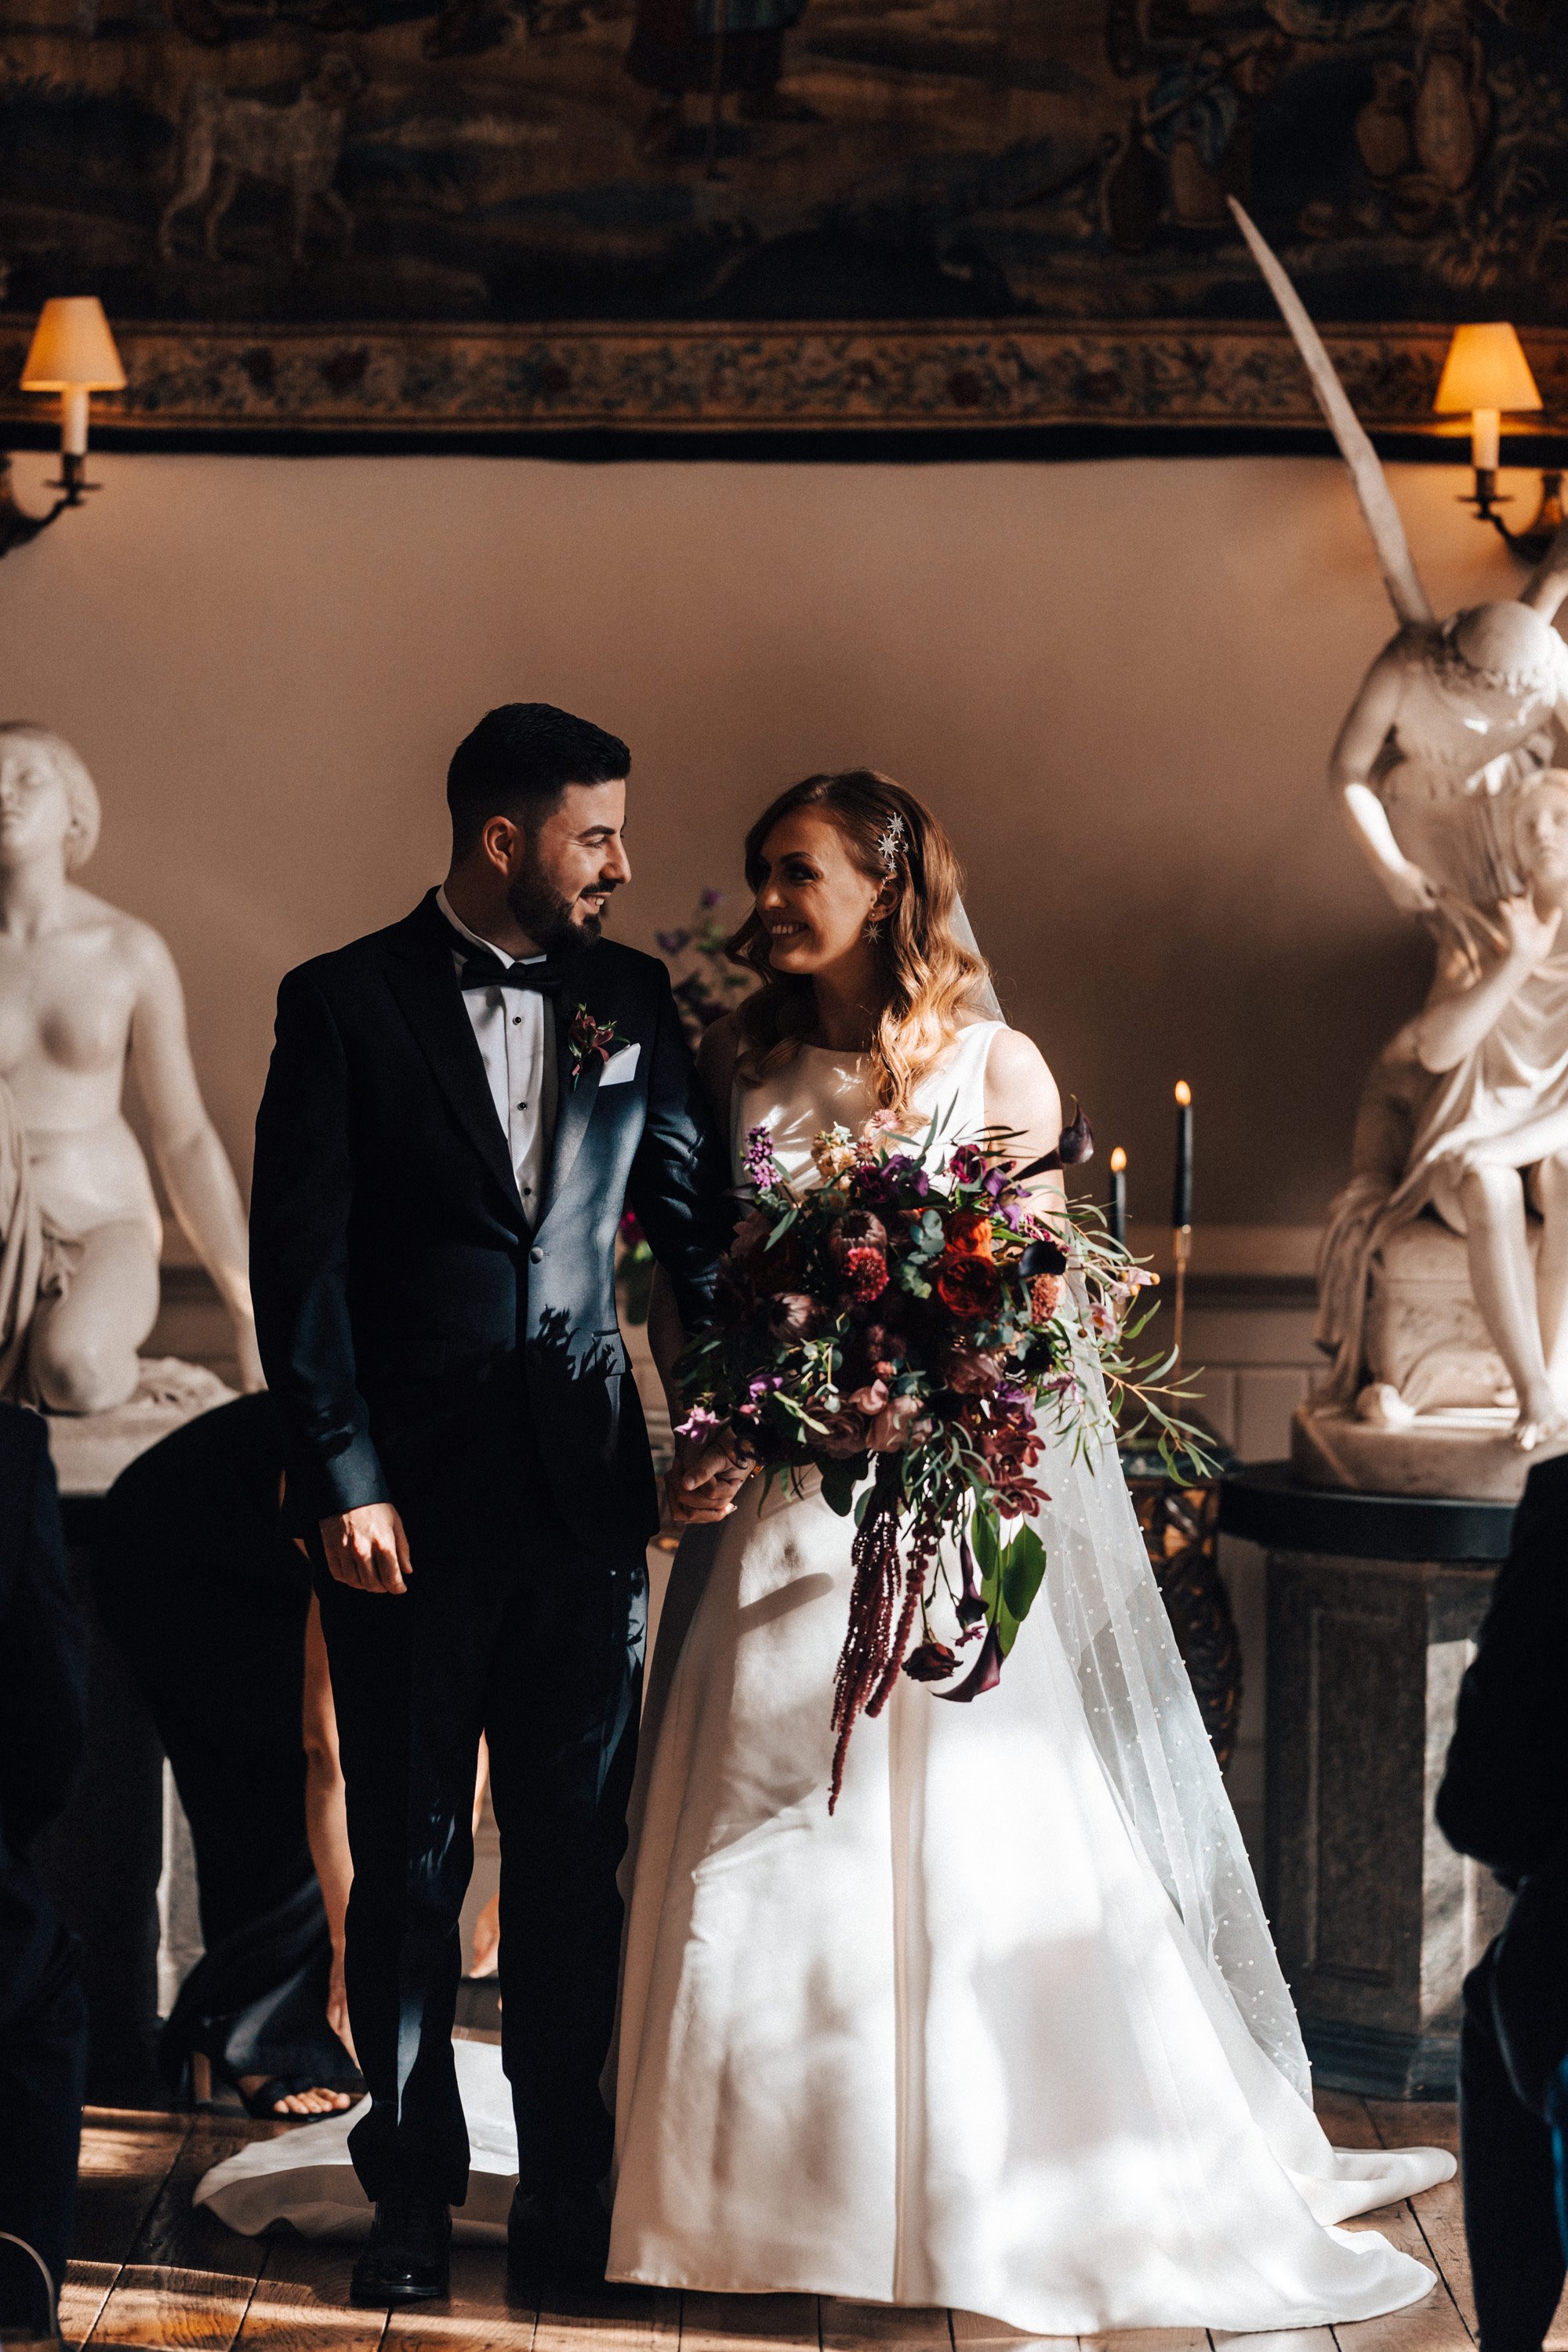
<point x="969" y="1236"/>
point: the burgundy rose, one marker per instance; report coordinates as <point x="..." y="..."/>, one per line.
<point x="971" y="1373"/>
<point x="967" y="1164"/>
<point x="893" y="1426"/>
<point x="796" y="1315"/>
<point x="844" y="1437"/>
<point x="932" y="1663"/>
<point x="969" y="1287"/>
<point x="865" y="1275"/>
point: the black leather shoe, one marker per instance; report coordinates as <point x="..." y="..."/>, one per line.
<point x="409" y="2257"/>
<point x="560" y="2236"/>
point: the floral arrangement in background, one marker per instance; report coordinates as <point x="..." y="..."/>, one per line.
<point x="705" y="986"/>
<point x="913" y="1326"/>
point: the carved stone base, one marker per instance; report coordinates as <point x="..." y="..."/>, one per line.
<point x="1374" y="2065"/>
<point x="91" y="1449"/>
<point x="1376" y="1917"/>
<point x="1465" y="1452"/>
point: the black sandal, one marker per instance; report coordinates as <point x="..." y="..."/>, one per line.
<point x="263" y="2103"/>
<point x="256" y="2004"/>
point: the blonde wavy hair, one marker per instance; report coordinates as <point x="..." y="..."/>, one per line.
<point x="930" y="977"/>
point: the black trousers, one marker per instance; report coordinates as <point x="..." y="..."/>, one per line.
<point x="43" y="2068"/>
<point x="524" y="1637"/>
<point x="1511" y="2222"/>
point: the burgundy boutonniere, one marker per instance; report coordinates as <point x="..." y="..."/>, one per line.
<point x="587" y="1036"/>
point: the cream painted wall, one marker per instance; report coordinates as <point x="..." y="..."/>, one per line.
<point x="1118" y="683"/>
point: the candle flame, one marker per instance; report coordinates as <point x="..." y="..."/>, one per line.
<point x="1118" y="1160"/>
<point x="1184" y="1093"/>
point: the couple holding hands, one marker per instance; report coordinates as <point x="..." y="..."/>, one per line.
<point x="1004" y="2030"/>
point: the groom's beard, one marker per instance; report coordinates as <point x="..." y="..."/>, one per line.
<point x="553" y="923"/>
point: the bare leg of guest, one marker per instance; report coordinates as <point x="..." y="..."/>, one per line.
<point x="1492" y="1200"/>
<point x="83" y="1349"/>
<point x="326" y="1827"/>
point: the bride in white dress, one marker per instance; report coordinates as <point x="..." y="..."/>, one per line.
<point x="1006" y="2031"/>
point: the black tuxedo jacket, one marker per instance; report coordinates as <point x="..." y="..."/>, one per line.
<point x="425" y="1344"/>
<point x="1504" y="1795"/>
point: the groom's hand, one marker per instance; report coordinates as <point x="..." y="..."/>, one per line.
<point x="367" y="1549"/>
<point x="703" y="1483"/>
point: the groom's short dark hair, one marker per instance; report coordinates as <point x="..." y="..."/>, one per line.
<point x="519" y="760"/>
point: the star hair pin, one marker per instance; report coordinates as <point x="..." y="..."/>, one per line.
<point x="890" y="842"/>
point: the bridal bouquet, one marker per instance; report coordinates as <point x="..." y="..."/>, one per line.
<point x="908" y="1327"/>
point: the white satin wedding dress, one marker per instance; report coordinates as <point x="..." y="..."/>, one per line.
<point x="1006" y="2032"/>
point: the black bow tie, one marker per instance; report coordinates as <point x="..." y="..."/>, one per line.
<point x="482" y="970"/>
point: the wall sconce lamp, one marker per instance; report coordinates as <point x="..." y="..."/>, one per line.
<point x="1486" y="372"/>
<point x="73" y="353"/>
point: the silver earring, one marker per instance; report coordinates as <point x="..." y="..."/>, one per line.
<point x="873" y="930"/>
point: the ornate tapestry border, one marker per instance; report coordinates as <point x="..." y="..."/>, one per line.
<point x="716" y="379"/>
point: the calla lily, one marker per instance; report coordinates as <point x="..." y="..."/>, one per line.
<point x="1075" y="1144"/>
<point x="985" y="1672"/>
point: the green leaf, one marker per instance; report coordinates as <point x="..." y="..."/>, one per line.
<point x="1022" y="1572"/>
<point x="784" y="1222"/>
<point x="985" y="1537"/>
<point x="839" y="1480"/>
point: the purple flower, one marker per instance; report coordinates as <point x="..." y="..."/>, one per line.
<point x="985" y="1673"/>
<point x="758" y="1159"/>
<point x="764" y="1385"/>
<point x="708" y="900"/>
<point x="967" y="1164"/>
<point x="698" y="1424"/>
<point x="673" y="943"/>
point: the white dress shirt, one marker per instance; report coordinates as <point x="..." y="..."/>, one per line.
<point x="512" y="1028"/>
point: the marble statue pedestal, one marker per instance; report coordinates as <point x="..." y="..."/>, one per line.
<point x="1373" y="1603"/>
<point x="105" y="1861"/>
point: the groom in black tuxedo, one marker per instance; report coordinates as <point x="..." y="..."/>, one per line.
<point x="458" y="1111"/>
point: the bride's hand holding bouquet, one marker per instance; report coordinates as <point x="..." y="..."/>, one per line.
<point x="912" y="1326"/>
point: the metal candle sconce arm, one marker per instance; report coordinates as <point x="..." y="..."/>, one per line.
<point x="73" y="353"/>
<point x="1486" y="376"/>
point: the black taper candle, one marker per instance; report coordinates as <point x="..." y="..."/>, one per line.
<point x="1116" y="1208"/>
<point x="1182" y="1198"/>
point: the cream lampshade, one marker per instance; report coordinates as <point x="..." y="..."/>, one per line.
<point x="1486" y="372"/>
<point x="73" y="353"/>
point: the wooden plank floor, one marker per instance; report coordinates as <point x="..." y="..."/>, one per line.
<point x="153" y="2273"/>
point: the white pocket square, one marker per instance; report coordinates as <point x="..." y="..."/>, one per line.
<point x="620" y="1067"/>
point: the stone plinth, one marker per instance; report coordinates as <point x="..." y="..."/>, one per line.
<point x="1464" y="1451"/>
<point x="1373" y="1602"/>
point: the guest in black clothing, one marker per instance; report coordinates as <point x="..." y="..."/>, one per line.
<point x="43" y="2018"/>
<point x="1504" y="1800"/>
<point x="207" y="1602"/>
